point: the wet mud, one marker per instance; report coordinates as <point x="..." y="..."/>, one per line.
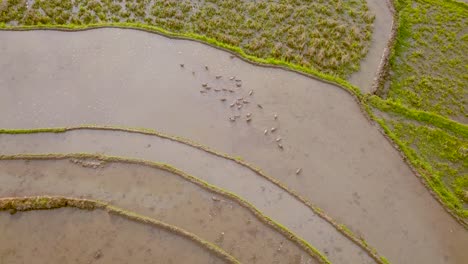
<point x="70" y="235"/>
<point x="224" y="173"/>
<point x="134" y="79"/>
<point x="157" y="194"/>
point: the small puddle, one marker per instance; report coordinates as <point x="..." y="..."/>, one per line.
<point x="158" y="194"/>
<point x="70" y="235"/>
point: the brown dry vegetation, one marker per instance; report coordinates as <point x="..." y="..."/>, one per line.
<point x="331" y="36"/>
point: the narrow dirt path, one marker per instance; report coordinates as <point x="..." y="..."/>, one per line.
<point x="70" y="235"/>
<point x="134" y="79"/>
<point x="157" y="194"/>
<point x="364" y="78"/>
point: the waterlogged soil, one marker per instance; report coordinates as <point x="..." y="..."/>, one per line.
<point x="369" y="66"/>
<point x="227" y="174"/>
<point x="70" y="235"/>
<point x="157" y="194"/>
<point x="132" y="78"/>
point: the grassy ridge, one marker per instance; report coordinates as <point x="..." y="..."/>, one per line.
<point x="14" y="204"/>
<point x="429" y="118"/>
<point x="438" y="156"/>
<point x="267" y="62"/>
<point x="312" y="251"/>
<point x="437" y="148"/>
<point x="339" y="227"/>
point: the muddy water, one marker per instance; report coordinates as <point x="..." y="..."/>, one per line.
<point x="221" y="172"/>
<point x="129" y="78"/>
<point x="364" y="78"/>
<point x="70" y="235"/>
<point x="160" y="195"/>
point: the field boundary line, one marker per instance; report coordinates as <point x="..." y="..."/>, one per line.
<point x="31" y="203"/>
<point x="307" y="247"/>
<point x="360" y="241"/>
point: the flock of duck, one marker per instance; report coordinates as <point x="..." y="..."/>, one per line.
<point x="239" y="103"/>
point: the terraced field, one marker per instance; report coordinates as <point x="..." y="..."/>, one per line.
<point x="188" y="146"/>
<point x="161" y="195"/>
<point x="88" y="237"/>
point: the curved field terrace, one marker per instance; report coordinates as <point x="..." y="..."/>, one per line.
<point x="262" y="151"/>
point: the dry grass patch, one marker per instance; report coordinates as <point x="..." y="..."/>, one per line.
<point x="329" y="36"/>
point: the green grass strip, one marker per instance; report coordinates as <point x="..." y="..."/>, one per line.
<point x="421" y="116"/>
<point x="312" y="251"/>
<point x="14" y="204"/>
<point x="266" y="62"/>
<point x="339" y="227"/>
<point x="422" y="170"/>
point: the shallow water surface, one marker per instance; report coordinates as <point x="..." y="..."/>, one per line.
<point x="227" y="174"/>
<point x="131" y="78"/>
<point x="158" y="194"/>
<point x="70" y="235"/>
<point x="364" y="78"/>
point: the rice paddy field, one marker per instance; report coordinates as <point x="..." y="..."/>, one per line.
<point x="222" y="131"/>
<point x="330" y="36"/>
<point x="428" y="79"/>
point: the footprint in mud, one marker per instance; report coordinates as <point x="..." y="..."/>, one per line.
<point x="356" y="198"/>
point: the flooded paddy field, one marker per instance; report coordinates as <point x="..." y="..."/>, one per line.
<point x="70" y="235"/>
<point x="134" y="79"/>
<point x="227" y="174"/>
<point x="157" y="194"/>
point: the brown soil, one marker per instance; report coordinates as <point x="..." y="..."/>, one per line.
<point x="70" y="235"/>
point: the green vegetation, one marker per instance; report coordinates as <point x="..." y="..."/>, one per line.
<point x="425" y="110"/>
<point x="429" y="66"/>
<point x="446" y="156"/>
<point x="330" y="36"/>
<point x="439" y="155"/>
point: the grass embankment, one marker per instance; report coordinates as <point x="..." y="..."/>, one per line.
<point x="425" y="110"/>
<point x="15" y="204"/>
<point x="328" y="36"/>
<point x="437" y="148"/>
<point x="312" y="251"/>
